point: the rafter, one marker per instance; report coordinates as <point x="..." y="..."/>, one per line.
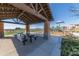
<point x="32" y="6"/>
<point x="26" y="8"/>
<point x="43" y="10"/>
<point x="40" y="10"/>
<point x="36" y="5"/>
<point x="20" y="15"/>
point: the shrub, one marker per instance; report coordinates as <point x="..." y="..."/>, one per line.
<point x="70" y="46"/>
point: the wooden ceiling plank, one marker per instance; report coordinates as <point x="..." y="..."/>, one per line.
<point x="20" y="14"/>
<point x="29" y="19"/>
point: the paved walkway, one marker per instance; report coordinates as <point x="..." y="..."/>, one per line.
<point x="56" y="46"/>
<point x="40" y="47"/>
<point x="49" y="48"/>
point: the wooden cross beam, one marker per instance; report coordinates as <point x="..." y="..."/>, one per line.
<point x="43" y="10"/>
<point x="26" y="8"/>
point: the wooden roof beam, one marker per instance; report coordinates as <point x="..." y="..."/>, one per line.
<point x="36" y="6"/>
<point x="43" y="10"/>
<point x="32" y="6"/>
<point x="26" y="8"/>
<point x="40" y="10"/>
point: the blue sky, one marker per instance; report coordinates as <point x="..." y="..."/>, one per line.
<point x="60" y="12"/>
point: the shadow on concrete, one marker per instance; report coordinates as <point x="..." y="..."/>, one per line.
<point x="29" y="47"/>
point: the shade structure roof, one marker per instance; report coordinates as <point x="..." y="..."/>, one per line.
<point x="29" y="13"/>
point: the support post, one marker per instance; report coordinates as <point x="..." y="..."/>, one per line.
<point x="46" y="29"/>
<point x="1" y="29"/>
<point x="27" y="28"/>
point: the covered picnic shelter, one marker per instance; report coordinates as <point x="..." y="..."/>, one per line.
<point x="26" y="14"/>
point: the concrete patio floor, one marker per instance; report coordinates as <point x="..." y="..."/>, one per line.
<point x="40" y="47"/>
<point x="7" y="48"/>
<point x="49" y="48"/>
